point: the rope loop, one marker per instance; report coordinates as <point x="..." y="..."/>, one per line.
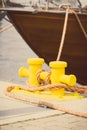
<point x="38" y="76"/>
<point x="43" y="82"/>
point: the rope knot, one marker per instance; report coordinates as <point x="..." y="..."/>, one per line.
<point x="41" y="81"/>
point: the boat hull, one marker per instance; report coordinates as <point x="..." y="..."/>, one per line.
<point x="42" y="31"/>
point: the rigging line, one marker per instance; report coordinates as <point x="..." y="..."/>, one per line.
<point x="63" y="35"/>
<point x="6" y="28"/>
<point x="81" y="26"/>
<point x="64" y="31"/>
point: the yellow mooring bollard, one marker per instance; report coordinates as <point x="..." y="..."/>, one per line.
<point x="34" y="65"/>
<point x="58" y="73"/>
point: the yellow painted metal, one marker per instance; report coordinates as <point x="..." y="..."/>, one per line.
<point x="34" y="65"/>
<point x="58" y="73"/>
<point x="52" y="95"/>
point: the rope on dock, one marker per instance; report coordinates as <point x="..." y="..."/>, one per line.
<point x="6" y="28"/>
<point x="56" y="106"/>
<point x="77" y="88"/>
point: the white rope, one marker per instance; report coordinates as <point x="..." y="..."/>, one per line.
<point x="64" y="31"/>
<point x="81" y="26"/>
<point x="63" y="35"/>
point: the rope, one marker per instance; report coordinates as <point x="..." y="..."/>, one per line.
<point x="42" y="82"/>
<point x="63" y="35"/>
<point x="6" y="28"/>
<point x="43" y="102"/>
<point x="65" y="28"/>
<point x="38" y="76"/>
<point x="79" y="21"/>
<point x="79" y="89"/>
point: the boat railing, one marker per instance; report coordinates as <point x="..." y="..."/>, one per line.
<point x="54" y="5"/>
<point x="41" y="3"/>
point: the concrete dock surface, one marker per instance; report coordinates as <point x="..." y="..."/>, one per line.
<point x="17" y="115"/>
